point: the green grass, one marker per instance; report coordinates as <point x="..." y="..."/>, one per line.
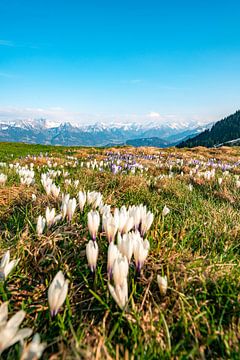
<point x="196" y="246"/>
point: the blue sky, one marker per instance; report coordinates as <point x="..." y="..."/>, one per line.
<point x="119" y="60"/>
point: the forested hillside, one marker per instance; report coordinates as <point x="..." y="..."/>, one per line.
<point x="222" y="131"/>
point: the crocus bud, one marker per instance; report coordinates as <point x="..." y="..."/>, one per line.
<point x="41" y="221"/>
<point x="57" y="293"/>
<point x="120" y="293"/>
<point x="220" y="180"/>
<point x="93" y="223"/>
<point x="71" y="207"/>
<point x="92" y="254"/>
<point x="50" y="216"/>
<point x="165" y="211"/>
<point x="162" y="284"/>
<point x="7" y="266"/>
<point x="125" y="245"/>
<point x="120" y="270"/>
<point x="146" y="222"/>
<point x="82" y="197"/>
<point x="141" y="248"/>
<point x="110" y="228"/>
<point x="113" y="253"/>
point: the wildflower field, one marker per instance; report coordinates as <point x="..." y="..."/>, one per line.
<point x="119" y="253"/>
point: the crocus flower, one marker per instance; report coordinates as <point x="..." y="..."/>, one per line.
<point x="146" y="222"/>
<point x="33" y="350"/>
<point x="120" y="270"/>
<point x="111" y="228"/>
<point x="6" y="265"/>
<point x="93" y="223"/>
<point x="92" y="254"/>
<point x="128" y="225"/>
<point x="220" y="180"/>
<point x="119" y="293"/>
<point x="82" y="197"/>
<point x="50" y="216"/>
<point x="125" y="245"/>
<point x="3" y="179"/>
<point x="41" y="222"/>
<point x="141" y="248"/>
<point x="71" y="207"/>
<point x="57" y="293"/>
<point x="94" y="198"/>
<point x="162" y="284"/>
<point x="55" y="191"/>
<point x="9" y="330"/>
<point x="165" y="211"/>
<point x="113" y="253"/>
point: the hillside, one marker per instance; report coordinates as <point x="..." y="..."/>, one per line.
<point x="152" y="141"/>
<point x="223" y="131"/>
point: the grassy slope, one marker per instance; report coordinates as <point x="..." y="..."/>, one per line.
<point x="196" y="246"/>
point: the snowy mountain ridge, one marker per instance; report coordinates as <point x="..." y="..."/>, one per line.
<point x="44" y="131"/>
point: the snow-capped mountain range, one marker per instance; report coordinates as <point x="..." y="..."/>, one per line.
<point x="43" y="131"/>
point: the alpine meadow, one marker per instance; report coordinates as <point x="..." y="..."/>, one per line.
<point x="119" y="253"/>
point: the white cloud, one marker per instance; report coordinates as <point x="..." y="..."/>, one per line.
<point x="59" y="115"/>
<point x="154" y="115"/>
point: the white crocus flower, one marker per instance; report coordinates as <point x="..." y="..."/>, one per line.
<point x="9" y="330"/>
<point x="162" y="284"/>
<point x="94" y="198"/>
<point x="7" y="266"/>
<point x="50" y="216"/>
<point x="165" y="211"/>
<point x="93" y="223"/>
<point x="113" y="253"/>
<point x="41" y="222"/>
<point x="128" y="225"/>
<point x="64" y="210"/>
<point x="120" y="293"/>
<point x="33" y="350"/>
<point x="104" y="209"/>
<point x="220" y="180"/>
<point x="57" y="293"/>
<point x="111" y="228"/>
<point x="137" y="218"/>
<point x="34" y="198"/>
<point x="92" y="254"/>
<point x="71" y="207"/>
<point x="141" y="248"/>
<point x="125" y="245"/>
<point x="55" y="191"/>
<point x="82" y="197"/>
<point x="146" y="222"/>
<point x="120" y="270"/>
<point x="97" y="201"/>
<point x="3" y="179"/>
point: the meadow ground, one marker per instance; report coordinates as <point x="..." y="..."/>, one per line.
<point x="196" y="246"/>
